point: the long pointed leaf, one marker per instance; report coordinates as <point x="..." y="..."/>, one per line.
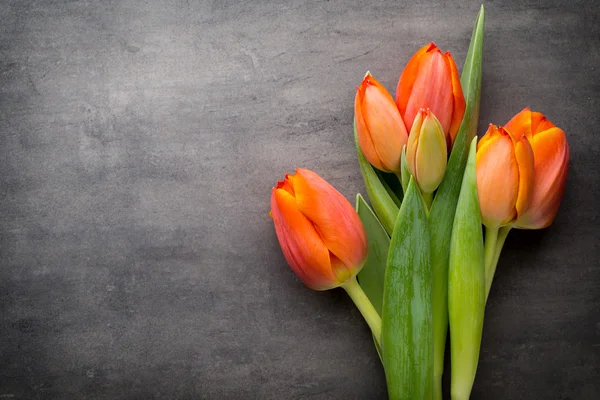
<point x="466" y="285"/>
<point x="372" y="275"/>
<point x="443" y="208"/>
<point x="407" y="336"/>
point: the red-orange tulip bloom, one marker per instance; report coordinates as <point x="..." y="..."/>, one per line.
<point x="504" y="176"/>
<point x="430" y="80"/>
<point x="381" y="132"/>
<point x="551" y="155"/>
<point x="320" y="233"/>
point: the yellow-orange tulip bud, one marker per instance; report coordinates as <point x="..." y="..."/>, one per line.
<point x="504" y="176"/>
<point x="426" y="152"/>
<point x="320" y="233"/>
<point x="381" y="132"/>
<point x="431" y="80"/>
<point x="551" y="161"/>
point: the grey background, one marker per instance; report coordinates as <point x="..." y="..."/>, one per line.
<point x="139" y="144"/>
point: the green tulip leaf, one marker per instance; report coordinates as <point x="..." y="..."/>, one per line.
<point x="441" y="215"/>
<point x="407" y="336"/>
<point x="372" y="274"/>
<point x="466" y="284"/>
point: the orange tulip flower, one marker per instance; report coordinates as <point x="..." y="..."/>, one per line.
<point x="320" y="233"/>
<point x="551" y="161"/>
<point x="381" y="132"/>
<point x="430" y="80"/>
<point x="504" y="176"/>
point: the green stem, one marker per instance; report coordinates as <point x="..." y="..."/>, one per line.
<point x="490" y="269"/>
<point x="489" y="250"/>
<point x="428" y="197"/>
<point x="365" y="307"/>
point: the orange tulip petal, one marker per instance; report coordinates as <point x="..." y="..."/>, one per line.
<point x="458" y="111"/>
<point x="385" y="124"/>
<point x="407" y="78"/>
<point x="492" y="130"/>
<point x="381" y="131"/>
<point x="432" y="88"/>
<point x="551" y="159"/>
<point x="542" y="126"/>
<point x="539" y="123"/>
<point x="364" y="136"/>
<point x="524" y="157"/>
<point x="520" y="124"/>
<point x="497" y="180"/>
<point x="286" y="184"/>
<point x="528" y="123"/>
<point x="301" y="244"/>
<point x="334" y="218"/>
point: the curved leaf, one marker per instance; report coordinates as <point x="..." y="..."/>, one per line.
<point x="407" y="336"/>
<point x="441" y="214"/>
<point x="372" y="274"/>
<point x="466" y="285"/>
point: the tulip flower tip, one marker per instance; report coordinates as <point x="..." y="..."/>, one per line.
<point x="367" y="74"/>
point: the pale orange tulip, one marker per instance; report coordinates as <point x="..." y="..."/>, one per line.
<point x="504" y="176"/>
<point x="381" y="132"/>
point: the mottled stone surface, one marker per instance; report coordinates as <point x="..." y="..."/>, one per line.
<point x="139" y="144"/>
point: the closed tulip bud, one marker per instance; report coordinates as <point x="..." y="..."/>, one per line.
<point x="504" y="176"/>
<point x="430" y="80"/>
<point x="551" y="161"/>
<point x="320" y="233"/>
<point x="381" y="132"/>
<point x="426" y="153"/>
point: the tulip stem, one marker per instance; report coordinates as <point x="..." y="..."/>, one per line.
<point x="365" y="307"/>
<point x="490" y="266"/>
<point x="491" y="237"/>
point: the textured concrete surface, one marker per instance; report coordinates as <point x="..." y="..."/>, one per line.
<point x="139" y="144"/>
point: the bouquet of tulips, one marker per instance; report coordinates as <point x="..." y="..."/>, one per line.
<point x="414" y="261"/>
